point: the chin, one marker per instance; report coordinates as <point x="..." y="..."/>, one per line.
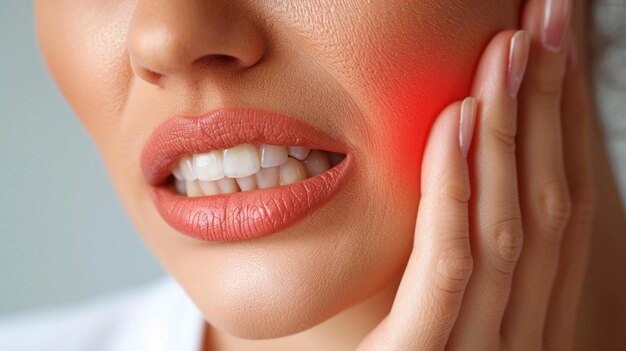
<point x="265" y="311"/>
<point x="250" y="308"/>
<point x="290" y="282"/>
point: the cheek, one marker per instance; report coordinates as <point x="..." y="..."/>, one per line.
<point x="410" y="73"/>
<point x="400" y="68"/>
<point x="84" y="46"/>
<point x="407" y="101"/>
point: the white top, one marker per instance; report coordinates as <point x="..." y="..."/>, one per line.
<point x="158" y="317"/>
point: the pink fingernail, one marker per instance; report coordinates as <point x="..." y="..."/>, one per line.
<point x="466" y="124"/>
<point x="555" y="22"/>
<point x="518" y="59"/>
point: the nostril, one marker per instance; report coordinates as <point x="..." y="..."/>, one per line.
<point x="224" y="58"/>
<point x="219" y="60"/>
<point x="151" y="76"/>
<point x="144" y="73"/>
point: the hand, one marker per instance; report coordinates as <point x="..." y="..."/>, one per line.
<point x="468" y="284"/>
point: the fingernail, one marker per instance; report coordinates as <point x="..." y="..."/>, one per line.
<point x="518" y="58"/>
<point x="466" y="124"/>
<point x="555" y="21"/>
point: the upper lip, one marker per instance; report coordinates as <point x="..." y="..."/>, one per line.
<point x="225" y="128"/>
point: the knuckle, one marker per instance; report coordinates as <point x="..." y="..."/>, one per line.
<point x="547" y="87"/>
<point x="583" y="204"/>
<point x="507" y="239"/>
<point x="454" y="188"/>
<point x="503" y="133"/>
<point x="454" y="267"/>
<point x="555" y="209"/>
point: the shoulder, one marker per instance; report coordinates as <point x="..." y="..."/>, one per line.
<point x="145" y="318"/>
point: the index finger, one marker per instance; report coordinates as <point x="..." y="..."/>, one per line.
<point x="431" y="290"/>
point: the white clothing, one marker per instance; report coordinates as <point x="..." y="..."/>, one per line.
<point x="158" y="317"/>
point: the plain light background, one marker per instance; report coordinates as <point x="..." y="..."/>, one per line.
<point x="64" y="236"/>
<point x="63" y="233"/>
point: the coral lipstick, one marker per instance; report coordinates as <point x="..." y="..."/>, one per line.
<point x="247" y="214"/>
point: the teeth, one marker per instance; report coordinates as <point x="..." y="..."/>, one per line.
<point x="248" y="167"/>
<point x="178" y="174"/>
<point x="209" y="187"/>
<point x="292" y="171"/>
<point x="268" y="177"/>
<point x="209" y="166"/>
<point x="181" y="188"/>
<point x="193" y="189"/>
<point x="298" y="152"/>
<point x="316" y="163"/>
<point x="186" y="168"/>
<point x="272" y="156"/>
<point x="247" y="183"/>
<point x="241" y="161"/>
<point x="227" y="185"/>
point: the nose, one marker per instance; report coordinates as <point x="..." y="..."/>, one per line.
<point x="175" y="38"/>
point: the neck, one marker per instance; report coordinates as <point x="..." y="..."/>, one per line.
<point x="341" y="332"/>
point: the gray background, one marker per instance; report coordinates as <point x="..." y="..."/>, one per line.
<point x="63" y="233"/>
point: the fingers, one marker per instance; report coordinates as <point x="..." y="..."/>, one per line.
<point x="544" y="194"/>
<point x="561" y="319"/>
<point x="431" y="290"/>
<point x="496" y="227"/>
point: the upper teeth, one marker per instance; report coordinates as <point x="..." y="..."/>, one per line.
<point x="247" y="167"/>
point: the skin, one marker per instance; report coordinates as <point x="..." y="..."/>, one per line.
<point x="127" y="66"/>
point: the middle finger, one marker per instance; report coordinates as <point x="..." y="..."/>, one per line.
<point x="543" y="185"/>
<point x="496" y="228"/>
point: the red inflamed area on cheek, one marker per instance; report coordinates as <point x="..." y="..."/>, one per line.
<point x="415" y="98"/>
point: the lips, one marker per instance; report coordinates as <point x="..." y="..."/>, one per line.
<point x="242" y="215"/>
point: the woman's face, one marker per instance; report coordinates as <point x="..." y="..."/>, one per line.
<point x="371" y="75"/>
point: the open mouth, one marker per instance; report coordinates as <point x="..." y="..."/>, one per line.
<point x="239" y="174"/>
<point x="247" y="167"/>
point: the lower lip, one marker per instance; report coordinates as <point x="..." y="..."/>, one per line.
<point x="249" y="214"/>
